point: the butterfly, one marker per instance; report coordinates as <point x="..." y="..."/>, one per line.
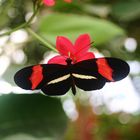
<point x="57" y="79"/>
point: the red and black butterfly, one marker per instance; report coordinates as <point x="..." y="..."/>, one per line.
<point x="57" y="79"/>
<point x="74" y="67"/>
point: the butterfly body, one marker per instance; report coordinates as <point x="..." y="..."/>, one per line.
<point x="57" y="79"/>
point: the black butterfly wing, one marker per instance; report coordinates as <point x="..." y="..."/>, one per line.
<point x="86" y="75"/>
<point x="113" y="69"/>
<point x="57" y="86"/>
<point x="37" y="77"/>
<point x="59" y="81"/>
<point x="23" y="77"/>
<point x="92" y="74"/>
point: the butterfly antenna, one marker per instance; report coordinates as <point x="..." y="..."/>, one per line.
<point x="91" y="43"/>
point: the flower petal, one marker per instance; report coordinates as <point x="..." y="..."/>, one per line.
<point x="49" y="2"/>
<point x="58" y="60"/>
<point x="86" y="56"/>
<point x="82" y="44"/>
<point x="64" y="46"/>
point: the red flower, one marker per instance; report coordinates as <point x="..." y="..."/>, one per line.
<point x="76" y="52"/>
<point x="52" y="2"/>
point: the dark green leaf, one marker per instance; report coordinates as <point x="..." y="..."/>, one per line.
<point x="35" y="115"/>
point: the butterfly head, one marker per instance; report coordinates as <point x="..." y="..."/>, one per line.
<point x="69" y="61"/>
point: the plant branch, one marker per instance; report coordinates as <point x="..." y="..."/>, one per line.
<point x="42" y="40"/>
<point x="22" y="25"/>
<point x="26" y="25"/>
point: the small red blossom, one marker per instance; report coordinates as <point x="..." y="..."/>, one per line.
<point x="52" y="2"/>
<point x="76" y="52"/>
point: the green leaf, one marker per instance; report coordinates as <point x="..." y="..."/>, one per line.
<point x="71" y="25"/>
<point x="126" y="11"/>
<point x="35" y="115"/>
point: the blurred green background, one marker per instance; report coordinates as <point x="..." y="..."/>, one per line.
<point x="112" y="113"/>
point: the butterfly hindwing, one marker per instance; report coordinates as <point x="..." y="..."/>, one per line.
<point x="89" y="84"/>
<point x="86" y="75"/>
<point x="58" y="86"/>
<point x="59" y="82"/>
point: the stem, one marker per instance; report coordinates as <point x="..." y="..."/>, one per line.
<point x="43" y="41"/>
<point x="13" y="30"/>
<point x="26" y="24"/>
<point x="22" y="25"/>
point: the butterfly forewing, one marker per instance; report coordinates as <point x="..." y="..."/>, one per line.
<point x="35" y="77"/>
<point x="21" y="78"/>
<point x="112" y="69"/>
<point x="120" y="69"/>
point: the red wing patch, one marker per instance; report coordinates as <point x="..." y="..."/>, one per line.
<point x="104" y="69"/>
<point x="36" y="76"/>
